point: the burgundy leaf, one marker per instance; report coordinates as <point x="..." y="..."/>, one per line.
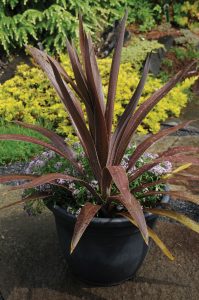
<point x="142" y="170"/>
<point x="145" y="185"/>
<point x="179" y="149"/>
<point x="82" y="38"/>
<point x="49" y="178"/>
<point x="56" y="140"/>
<point x="93" y="75"/>
<point x="178" y="159"/>
<point x="39" y="55"/>
<point x="82" y="84"/>
<point x="95" y="86"/>
<point x="65" y="76"/>
<point x="28" y="139"/>
<point x="87" y="213"/>
<point x="174" y="180"/>
<point x="151" y="140"/>
<point x="187" y="177"/>
<point x="114" y="76"/>
<point x="26" y="199"/>
<point x="120" y="179"/>
<point x="129" y="110"/>
<point x="80" y="125"/>
<point x="13" y="177"/>
<point x="175" y="195"/>
<point x="142" y="111"/>
<point x="78" y="70"/>
<point x="153" y="236"/>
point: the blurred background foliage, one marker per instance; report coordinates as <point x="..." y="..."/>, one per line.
<point x="49" y="21"/>
<point x="28" y="96"/>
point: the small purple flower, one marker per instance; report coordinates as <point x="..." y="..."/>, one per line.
<point x="44" y="188"/>
<point x="162" y="168"/>
<point x="58" y="165"/>
<point x="48" y="154"/>
<point x="39" y="163"/>
<point x="148" y="155"/>
<point x="124" y="162"/>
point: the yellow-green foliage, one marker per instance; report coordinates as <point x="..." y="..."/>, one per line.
<point x="29" y="97"/>
<point x="186" y="14"/>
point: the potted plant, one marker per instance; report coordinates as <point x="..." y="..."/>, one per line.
<point x="107" y="195"/>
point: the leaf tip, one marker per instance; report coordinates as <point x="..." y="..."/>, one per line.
<point x="72" y="247"/>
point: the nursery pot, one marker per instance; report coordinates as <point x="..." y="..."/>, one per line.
<point x="110" y="251"/>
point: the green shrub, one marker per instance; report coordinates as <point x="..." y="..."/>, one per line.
<point x="29" y="97"/>
<point x="185" y="53"/>
<point x="23" y="21"/>
<point x="137" y="50"/>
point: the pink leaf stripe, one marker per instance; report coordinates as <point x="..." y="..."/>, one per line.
<point x="87" y="213"/>
<point x="120" y="179"/>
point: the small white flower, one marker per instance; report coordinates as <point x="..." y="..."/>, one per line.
<point x="61" y="181"/>
<point x="71" y="186"/>
<point x="75" y="192"/>
<point x="94" y="183"/>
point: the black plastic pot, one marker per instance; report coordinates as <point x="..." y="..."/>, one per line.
<point x="109" y="252"/>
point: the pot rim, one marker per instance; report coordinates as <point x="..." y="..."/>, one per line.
<point x="110" y="222"/>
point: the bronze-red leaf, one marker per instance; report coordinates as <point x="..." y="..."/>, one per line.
<point x="87" y="213"/>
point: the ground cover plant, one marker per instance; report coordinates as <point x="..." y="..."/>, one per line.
<point x="186" y="13"/>
<point x="11" y="152"/>
<point x="28" y="96"/>
<point x="137" y="50"/>
<point x="108" y="169"/>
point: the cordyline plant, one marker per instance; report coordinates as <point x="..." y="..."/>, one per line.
<point x="103" y="148"/>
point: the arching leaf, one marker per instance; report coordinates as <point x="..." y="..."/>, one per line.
<point x="87" y="213"/>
